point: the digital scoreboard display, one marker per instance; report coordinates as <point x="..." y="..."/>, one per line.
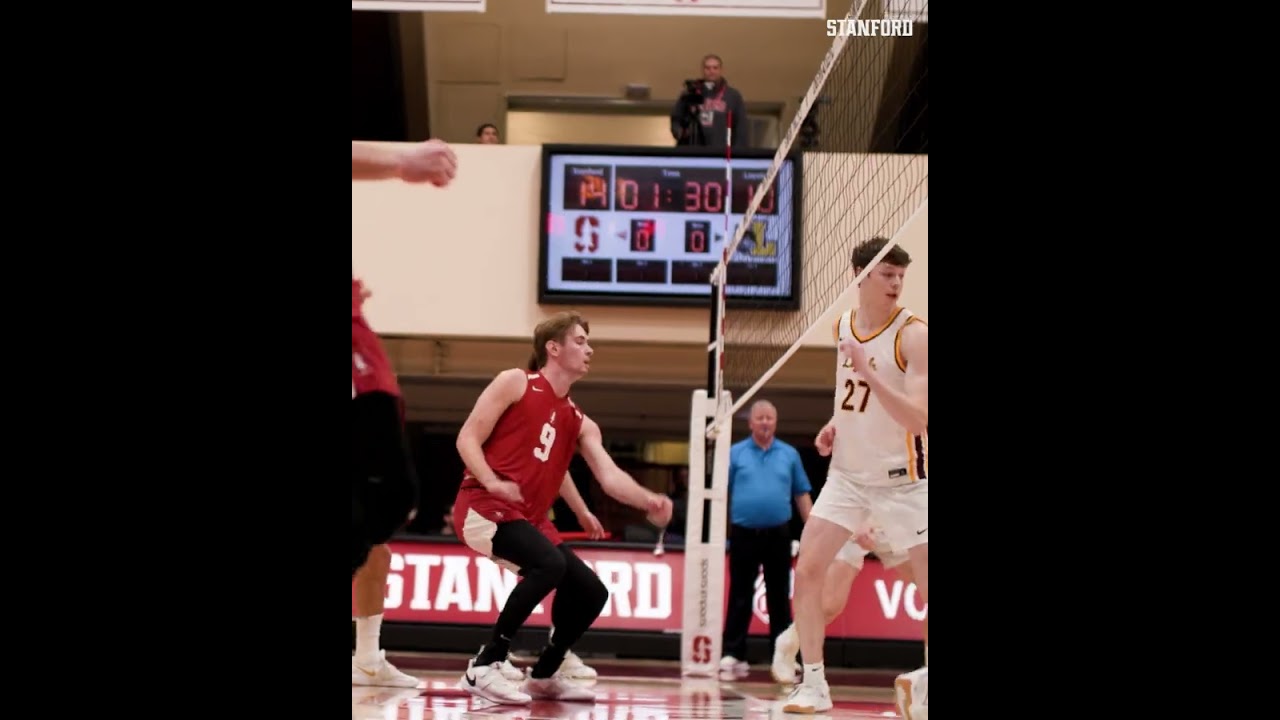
<point x="647" y="226"/>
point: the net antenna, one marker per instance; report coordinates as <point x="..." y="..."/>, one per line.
<point x="861" y="135"/>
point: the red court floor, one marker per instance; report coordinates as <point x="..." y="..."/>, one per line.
<point x="627" y="690"/>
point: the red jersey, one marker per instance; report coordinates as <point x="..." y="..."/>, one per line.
<point x="370" y="369"/>
<point x="531" y="445"/>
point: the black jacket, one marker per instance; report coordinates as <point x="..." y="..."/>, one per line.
<point x="704" y="120"/>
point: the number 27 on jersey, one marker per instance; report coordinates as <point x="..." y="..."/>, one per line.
<point x="848" y="403"/>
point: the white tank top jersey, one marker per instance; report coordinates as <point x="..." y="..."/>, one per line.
<point x="870" y="447"/>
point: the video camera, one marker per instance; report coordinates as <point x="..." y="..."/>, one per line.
<point x="692" y="96"/>
<point x="691" y="104"/>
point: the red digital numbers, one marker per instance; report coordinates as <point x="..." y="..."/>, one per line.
<point x="697" y="241"/>
<point x="766" y="202"/>
<point x="642" y="235"/>
<point x="656" y="190"/>
<point x="747" y="184"/>
<point x="695" y="236"/>
<point x="628" y="194"/>
<point x="703" y="197"/>
<point x="593" y="191"/>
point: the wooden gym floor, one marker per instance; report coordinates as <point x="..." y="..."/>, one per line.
<point x="626" y="690"/>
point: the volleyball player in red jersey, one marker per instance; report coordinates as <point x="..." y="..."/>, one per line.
<point x="516" y="446"/>
<point x="384" y="486"/>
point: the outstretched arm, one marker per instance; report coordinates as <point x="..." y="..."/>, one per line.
<point x="505" y="389"/>
<point x="910" y="408"/>
<point x="372" y="162"/>
<point x="614" y="480"/>
<point x="432" y="161"/>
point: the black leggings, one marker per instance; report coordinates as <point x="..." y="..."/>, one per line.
<point x="580" y="596"/>
<point x="384" y="486"/>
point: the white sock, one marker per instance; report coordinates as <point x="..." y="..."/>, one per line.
<point x="791" y="638"/>
<point x="814" y="675"/>
<point x="368" y="629"/>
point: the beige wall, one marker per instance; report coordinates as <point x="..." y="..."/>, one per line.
<point x="536" y="127"/>
<point x="463" y="261"/>
<point x="516" y="47"/>
<point x="548" y="128"/>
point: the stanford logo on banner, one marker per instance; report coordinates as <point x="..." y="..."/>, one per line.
<point x="419" y="5"/>
<point x="445" y="583"/>
<point x="722" y="8"/>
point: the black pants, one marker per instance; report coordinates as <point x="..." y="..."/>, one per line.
<point x="580" y="596"/>
<point x="384" y="485"/>
<point x="749" y="549"/>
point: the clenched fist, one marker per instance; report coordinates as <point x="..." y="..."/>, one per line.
<point x="432" y="161"/>
<point x="659" y="510"/>
<point x="866" y="539"/>
<point x="505" y="490"/>
<point x="852" y="349"/>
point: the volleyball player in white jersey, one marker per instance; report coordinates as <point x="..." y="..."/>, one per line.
<point x="878" y="437"/>
<point x="835" y="592"/>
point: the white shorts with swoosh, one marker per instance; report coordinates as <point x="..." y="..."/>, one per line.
<point x="901" y="511"/>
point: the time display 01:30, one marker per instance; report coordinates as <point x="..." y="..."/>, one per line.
<point x="659" y="189"/>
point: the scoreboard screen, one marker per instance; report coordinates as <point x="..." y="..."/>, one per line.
<point x="647" y="226"/>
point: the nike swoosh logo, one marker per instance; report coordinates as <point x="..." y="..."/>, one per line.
<point x="921" y="532"/>
<point x="370" y="673"/>
<point x="535" y="388"/>
<point x="470" y="680"/>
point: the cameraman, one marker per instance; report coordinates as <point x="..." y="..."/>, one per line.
<point x="702" y="115"/>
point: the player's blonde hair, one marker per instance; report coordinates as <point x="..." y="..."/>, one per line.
<point x="553" y="328"/>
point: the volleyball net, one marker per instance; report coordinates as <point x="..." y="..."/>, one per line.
<point x="852" y="166"/>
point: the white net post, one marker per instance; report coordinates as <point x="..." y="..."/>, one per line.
<point x="702" y="624"/>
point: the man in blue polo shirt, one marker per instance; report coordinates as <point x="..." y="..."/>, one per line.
<point x="764" y="474"/>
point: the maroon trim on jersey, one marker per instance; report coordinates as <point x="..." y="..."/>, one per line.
<point x="920" y="475"/>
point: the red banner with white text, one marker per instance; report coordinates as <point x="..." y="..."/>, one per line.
<point x="447" y="583"/>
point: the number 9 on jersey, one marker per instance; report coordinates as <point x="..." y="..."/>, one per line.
<point x="548" y="438"/>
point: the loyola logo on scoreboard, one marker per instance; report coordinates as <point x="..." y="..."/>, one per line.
<point x="870" y="28"/>
<point x="755" y="244"/>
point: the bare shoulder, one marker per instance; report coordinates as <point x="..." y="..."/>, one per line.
<point x="913" y="347"/>
<point x="510" y="384"/>
<point x="512" y="376"/>
<point x="589" y="433"/>
<point x="916" y="329"/>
